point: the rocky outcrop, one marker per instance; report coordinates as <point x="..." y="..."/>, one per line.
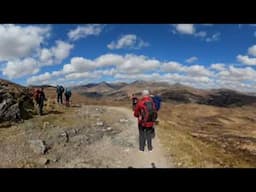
<point x="38" y="146"/>
<point x="16" y="102"/>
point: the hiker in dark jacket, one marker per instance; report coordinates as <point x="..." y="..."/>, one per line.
<point x="145" y="122"/>
<point x="59" y="91"/>
<point x="41" y="99"/>
<point x="67" y="96"/>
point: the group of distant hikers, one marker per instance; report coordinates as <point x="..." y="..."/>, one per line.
<point x="146" y="110"/>
<point x="40" y="98"/>
<point x="60" y="90"/>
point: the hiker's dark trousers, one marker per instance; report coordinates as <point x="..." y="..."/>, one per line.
<point x="59" y="98"/>
<point x="40" y="106"/>
<point x="145" y="135"/>
<point x="67" y="100"/>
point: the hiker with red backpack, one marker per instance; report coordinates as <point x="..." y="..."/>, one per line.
<point x="39" y="97"/>
<point x="146" y="113"/>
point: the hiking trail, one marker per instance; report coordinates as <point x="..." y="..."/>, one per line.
<point x="123" y="147"/>
<point x="88" y="136"/>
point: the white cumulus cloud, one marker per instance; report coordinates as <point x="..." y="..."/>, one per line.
<point x="85" y="31"/>
<point x="79" y="64"/>
<point x="197" y="70"/>
<point x="109" y="60"/>
<point x="22" y="51"/>
<point x="214" y="37"/>
<point x="218" y="66"/>
<point x="201" y="34"/>
<point x="61" y="51"/>
<point x="235" y="74"/>
<point x="56" y="54"/>
<point x="172" y="66"/>
<point x="138" y="64"/>
<point x="191" y="59"/>
<point x="185" y="28"/>
<point x="39" y="79"/>
<point x="19" y="68"/>
<point x="252" y="50"/>
<point x="18" y="42"/>
<point x="46" y="56"/>
<point x="191" y="29"/>
<point x="246" y="60"/>
<point x="84" y="75"/>
<point x="128" y="41"/>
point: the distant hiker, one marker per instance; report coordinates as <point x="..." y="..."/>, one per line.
<point x="146" y="113"/>
<point x="134" y="101"/>
<point x="67" y="96"/>
<point x="59" y="91"/>
<point x="41" y="98"/>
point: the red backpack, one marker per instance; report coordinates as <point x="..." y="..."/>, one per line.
<point x="37" y="95"/>
<point x="149" y="112"/>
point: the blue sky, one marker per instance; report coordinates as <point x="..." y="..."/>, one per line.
<point x="199" y="55"/>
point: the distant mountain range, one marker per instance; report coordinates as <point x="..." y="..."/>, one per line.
<point x="176" y="93"/>
<point x="169" y="92"/>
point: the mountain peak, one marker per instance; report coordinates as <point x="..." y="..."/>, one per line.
<point x="138" y="82"/>
<point x="103" y="83"/>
